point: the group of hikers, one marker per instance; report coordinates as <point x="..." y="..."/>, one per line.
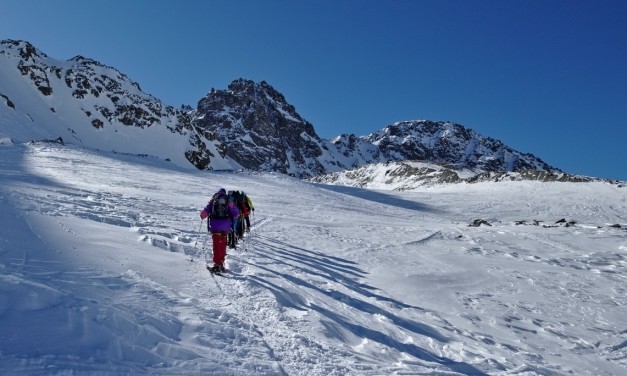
<point x="228" y="214"/>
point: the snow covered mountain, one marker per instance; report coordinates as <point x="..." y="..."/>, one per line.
<point x="444" y="142"/>
<point x="250" y="125"/>
<point x="85" y="102"/>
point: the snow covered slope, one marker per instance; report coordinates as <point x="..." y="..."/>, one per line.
<point x="409" y="175"/>
<point x="96" y="276"/>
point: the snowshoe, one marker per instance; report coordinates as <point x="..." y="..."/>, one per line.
<point x="214" y="269"/>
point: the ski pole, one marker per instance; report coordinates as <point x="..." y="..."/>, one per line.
<point x="196" y="243"/>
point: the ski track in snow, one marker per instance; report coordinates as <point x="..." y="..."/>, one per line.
<point x="320" y="286"/>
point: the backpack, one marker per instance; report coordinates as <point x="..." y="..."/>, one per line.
<point x="242" y="201"/>
<point x="220" y="207"/>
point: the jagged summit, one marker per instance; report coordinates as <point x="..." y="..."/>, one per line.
<point x="253" y="97"/>
<point x="260" y="129"/>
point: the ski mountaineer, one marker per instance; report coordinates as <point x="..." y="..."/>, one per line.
<point x="220" y="214"/>
<point x="245" y="206"/>
<point x="239" y="226"/>
<point x="232" y="239"/>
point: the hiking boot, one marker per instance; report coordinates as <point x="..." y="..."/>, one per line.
<point x="215" y="269"/>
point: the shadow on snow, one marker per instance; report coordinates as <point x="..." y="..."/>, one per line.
<point x="344" y="272"/>
<point x="379" y="197"/>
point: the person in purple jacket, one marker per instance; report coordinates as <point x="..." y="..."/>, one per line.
<point x="221" y="214"/>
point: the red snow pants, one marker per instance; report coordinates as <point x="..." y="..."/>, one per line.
<point x="219" y="246"/>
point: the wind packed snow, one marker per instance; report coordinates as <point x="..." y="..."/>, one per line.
<point x="96" y="276"/>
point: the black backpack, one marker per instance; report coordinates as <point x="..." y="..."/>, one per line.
<point x="220" y="207"/>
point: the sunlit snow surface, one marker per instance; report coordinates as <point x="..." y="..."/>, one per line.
<point x="96" y="276"/>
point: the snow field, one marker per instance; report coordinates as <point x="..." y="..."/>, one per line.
<point x="95" y="254"/>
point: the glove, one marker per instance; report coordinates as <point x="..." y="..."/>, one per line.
<point x="203" y="214"/>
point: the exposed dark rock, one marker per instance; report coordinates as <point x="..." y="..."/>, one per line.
<point x="479" y="222"/>
<point x="565" y="223"/>
<point x="57" y="140"/>
<point x="8" y="101"/>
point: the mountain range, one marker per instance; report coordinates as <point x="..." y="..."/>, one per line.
<point x="250" y="125"/>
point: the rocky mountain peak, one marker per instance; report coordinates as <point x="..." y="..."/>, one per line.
<point x="260" y="129"/>
<point x="446" y="142"/>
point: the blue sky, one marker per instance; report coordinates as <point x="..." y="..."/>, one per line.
<point x="547" y="77"/>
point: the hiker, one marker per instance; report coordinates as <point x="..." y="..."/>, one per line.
<point x="220" y="215"/>
<point x="242" y="206"/>
<point x="232" y="239"/>
<point x="247" y="207"/>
